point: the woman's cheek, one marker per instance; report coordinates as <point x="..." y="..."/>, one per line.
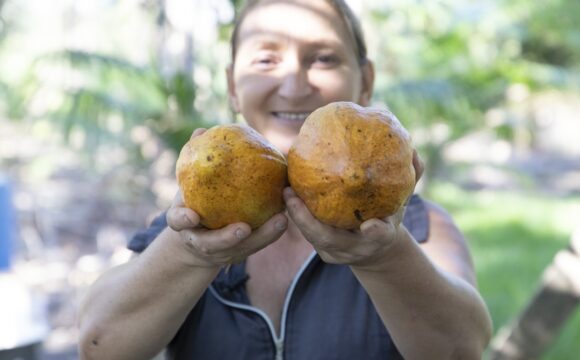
<point x="337" y="86"/>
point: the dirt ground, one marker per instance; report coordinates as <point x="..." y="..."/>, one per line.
<point x="73" y="220"/>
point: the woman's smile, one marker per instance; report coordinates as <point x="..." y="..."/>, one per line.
<point x="291" y="116"/>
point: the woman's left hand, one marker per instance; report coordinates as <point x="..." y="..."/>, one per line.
<point x="360" y="247"/>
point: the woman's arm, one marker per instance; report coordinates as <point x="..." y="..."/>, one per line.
<point x="426" y="294"/>
<point x="134" y="310"/>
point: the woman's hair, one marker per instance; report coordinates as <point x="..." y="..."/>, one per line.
<point x="343" y="10"/>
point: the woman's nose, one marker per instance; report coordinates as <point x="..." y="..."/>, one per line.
<point x="295" y="84"/>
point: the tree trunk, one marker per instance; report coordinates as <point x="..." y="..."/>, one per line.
<point x="174" y="46"/>
<point x="552" y="305"/>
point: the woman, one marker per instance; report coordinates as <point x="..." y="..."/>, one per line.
<point x="298" y="289"/>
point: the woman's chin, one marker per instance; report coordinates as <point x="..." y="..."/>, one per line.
<point x="284" y="148"/>
<point x="281" y="141"/>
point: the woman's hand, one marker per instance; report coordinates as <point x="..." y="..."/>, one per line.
<point x="364" y="247"/>
<point x="338" y="246"/>
<point x="228" y="245"/>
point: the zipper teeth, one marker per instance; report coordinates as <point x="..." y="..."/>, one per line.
<point x="291" y="291"/>
<point x="277" y="339"/>
<point x="248" y="308"/>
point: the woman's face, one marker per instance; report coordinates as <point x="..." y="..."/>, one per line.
<point x="292" y="58"/>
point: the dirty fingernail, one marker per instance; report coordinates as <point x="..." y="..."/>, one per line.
<point x="280" y="225"/>
<point x="240" y="233"/>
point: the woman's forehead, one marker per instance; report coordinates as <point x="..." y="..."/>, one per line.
<point x="305" y="21"/>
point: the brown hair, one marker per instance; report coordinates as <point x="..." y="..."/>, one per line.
<point x="344" y="11"/>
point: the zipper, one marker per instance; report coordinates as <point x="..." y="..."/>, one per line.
<point x="277" y="340"/>
<point x="279" y="343"/>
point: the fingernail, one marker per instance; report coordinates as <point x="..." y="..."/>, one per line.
<point x="187" y="220"/>
<point x="280" y="225"/>
<point x="240" y="233"/>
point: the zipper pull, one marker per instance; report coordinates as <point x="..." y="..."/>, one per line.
<point x="279" y="343"/>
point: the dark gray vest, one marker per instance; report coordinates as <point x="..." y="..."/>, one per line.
<point x="327" y="314"/>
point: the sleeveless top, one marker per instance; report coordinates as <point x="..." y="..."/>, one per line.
<point x="327" y="314"/>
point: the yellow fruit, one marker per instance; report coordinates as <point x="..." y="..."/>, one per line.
<point x="231" y="174"/>
<point x="350" y="164"/>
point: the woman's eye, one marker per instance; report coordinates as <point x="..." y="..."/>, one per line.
<point x="325" y="60"/>
<point x="265" y="62"/>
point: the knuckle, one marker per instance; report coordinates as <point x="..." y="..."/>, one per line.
<point x="199" y="247"/>
<point x="327" y="258"/>
<point x="170" y="218"/>
<point x="234" y="259"/>
<point x="204" y="250"/>
<point x="327" y="241"/>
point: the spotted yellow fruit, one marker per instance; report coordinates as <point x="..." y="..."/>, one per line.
<point x="351" y="163"/>
<point x="232" y="174"/>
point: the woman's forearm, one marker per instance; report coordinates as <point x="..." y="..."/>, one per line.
<point x="134" y="310"/>
<point x="430" y="313"/>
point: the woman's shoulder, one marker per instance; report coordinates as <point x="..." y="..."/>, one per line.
<point x="439" y="216"/>
<point x="447" y="246"/>
<point x="416" y="218"/>
<point x="143" y="238"/>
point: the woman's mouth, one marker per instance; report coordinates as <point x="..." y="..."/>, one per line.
<point x="291" y="116"/>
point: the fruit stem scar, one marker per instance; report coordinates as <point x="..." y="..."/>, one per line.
<point x="358" y="215"/>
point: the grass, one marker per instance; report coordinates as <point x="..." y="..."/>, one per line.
<point x="513" y="237"/>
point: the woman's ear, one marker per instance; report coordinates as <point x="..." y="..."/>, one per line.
<point x="368" y="82"/>
<point x="232" y="95"/>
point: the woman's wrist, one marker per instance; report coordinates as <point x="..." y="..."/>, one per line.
<point x="180" y="252"/>
<point x="392" y="256"/>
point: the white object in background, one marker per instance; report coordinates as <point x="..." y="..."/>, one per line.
<point x="23" y="314"/>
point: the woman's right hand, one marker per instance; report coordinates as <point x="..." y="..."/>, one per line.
<point x="228" y="245"/>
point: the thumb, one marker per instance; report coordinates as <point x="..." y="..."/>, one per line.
<point x="376" y="229"/>
<point x="419" y="166"/>
<point x="179" y="217"/>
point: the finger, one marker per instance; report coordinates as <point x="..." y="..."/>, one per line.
<point x="198" y="132"/>
<point x="213" y="241"/>
<point x="181" y="218"/>
<point x="375" y="229"/>
<point x="419" y="166"/>
<point x="178" y="199"/>
<point x="269" y="232"/>
<point x="310" y="227"/>
<point x="288" y="193"/>
<point x="400" y="215"/>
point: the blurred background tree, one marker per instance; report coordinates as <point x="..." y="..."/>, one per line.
<point x="442" y="67"/>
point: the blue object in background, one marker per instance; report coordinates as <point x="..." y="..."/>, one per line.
<point x="6" y="225"/>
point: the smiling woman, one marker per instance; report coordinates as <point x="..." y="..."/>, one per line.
<point x="282" y="72"/>
<point x="396" y="287"/>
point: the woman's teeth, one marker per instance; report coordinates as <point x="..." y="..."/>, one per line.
<point x="292" y="116"/>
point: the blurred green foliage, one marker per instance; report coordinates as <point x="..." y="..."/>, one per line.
<point x="444" y="64"/>
<point x="114" y="96"/>
<point x="133" y="95"/>
<point x="441" y="66"/>
<point x="513" y="237"/>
